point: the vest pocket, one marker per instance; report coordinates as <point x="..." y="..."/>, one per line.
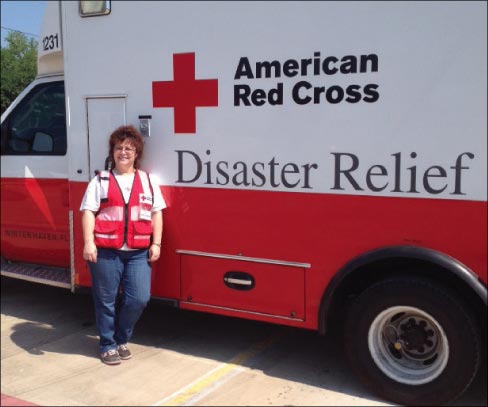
<point x="107" y="232"/>
<point x="141" y="234"/>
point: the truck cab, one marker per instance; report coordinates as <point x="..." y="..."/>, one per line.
<point x="35" y="160"/>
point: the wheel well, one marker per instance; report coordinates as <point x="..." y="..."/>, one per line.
<point x="363" y="276"/>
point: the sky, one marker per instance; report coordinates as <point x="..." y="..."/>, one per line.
<point x="25" y="16"/>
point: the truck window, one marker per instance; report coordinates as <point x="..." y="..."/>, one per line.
<point x="37" y="126"/>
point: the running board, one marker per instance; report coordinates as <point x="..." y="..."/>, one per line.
<point x="37" y="273"/>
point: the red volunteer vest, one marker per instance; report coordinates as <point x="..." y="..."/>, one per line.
<point x="117" y="222"/>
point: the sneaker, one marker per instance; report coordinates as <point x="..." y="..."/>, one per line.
<point x="111" y="357"/>
<point x="124" y="352"/>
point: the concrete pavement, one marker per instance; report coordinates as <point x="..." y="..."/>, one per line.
<point x="49" y="357"/>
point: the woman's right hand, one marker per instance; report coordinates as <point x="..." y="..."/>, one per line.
<point x="88" y="225"/>
<point x="90" y="252"/>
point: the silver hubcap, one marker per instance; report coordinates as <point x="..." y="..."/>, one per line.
<point x="408" y="345"/>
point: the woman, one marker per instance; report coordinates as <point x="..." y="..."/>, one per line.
<point x="122" y="230"/>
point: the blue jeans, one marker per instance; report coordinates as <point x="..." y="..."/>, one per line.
<point x="129" y="273"/>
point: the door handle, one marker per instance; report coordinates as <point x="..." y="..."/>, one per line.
<point x="239" y="280"/>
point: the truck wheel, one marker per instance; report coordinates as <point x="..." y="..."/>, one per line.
<point x="412" y="342"/>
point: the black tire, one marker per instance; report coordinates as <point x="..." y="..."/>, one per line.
<point x="424" y="340"/>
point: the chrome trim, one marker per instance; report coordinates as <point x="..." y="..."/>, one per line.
<point x="244" y="258"/>
<point x="242" y="311"/>
<point x="72" y="251"/>
<point x="237" y="281"/>
<point x="106" y="96"/>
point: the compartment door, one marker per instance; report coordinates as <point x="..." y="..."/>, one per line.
<point x="253" y="286"/>
<point x="105" y="114"/>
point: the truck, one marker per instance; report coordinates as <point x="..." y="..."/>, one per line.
<point x="324" y="166"/>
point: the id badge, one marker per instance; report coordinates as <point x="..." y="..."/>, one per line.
<point x="145" y="203"/>
<point x="145" y="215"/>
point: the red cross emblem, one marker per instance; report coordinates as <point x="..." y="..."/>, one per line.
<point x="185" y="93"/>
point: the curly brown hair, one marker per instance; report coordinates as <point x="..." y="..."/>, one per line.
<point x="132" y="135"/>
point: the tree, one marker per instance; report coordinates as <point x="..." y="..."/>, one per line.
<point x="18" y="66"/>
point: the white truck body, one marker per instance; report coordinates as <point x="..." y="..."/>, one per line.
<point x="307" y="151"/>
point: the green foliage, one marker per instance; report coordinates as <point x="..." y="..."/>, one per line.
<point x="18" y="66"/>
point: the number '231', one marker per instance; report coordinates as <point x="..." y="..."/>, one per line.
<point x="50" y="42"/>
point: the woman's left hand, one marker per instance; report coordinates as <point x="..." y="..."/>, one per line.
<point x="154" y="253"/>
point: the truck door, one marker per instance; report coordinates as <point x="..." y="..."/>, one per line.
<point x="34" y="183"/>
<point x="105" y="114"/>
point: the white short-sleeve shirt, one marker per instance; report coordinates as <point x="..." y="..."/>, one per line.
<point x="91" y="199"/>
